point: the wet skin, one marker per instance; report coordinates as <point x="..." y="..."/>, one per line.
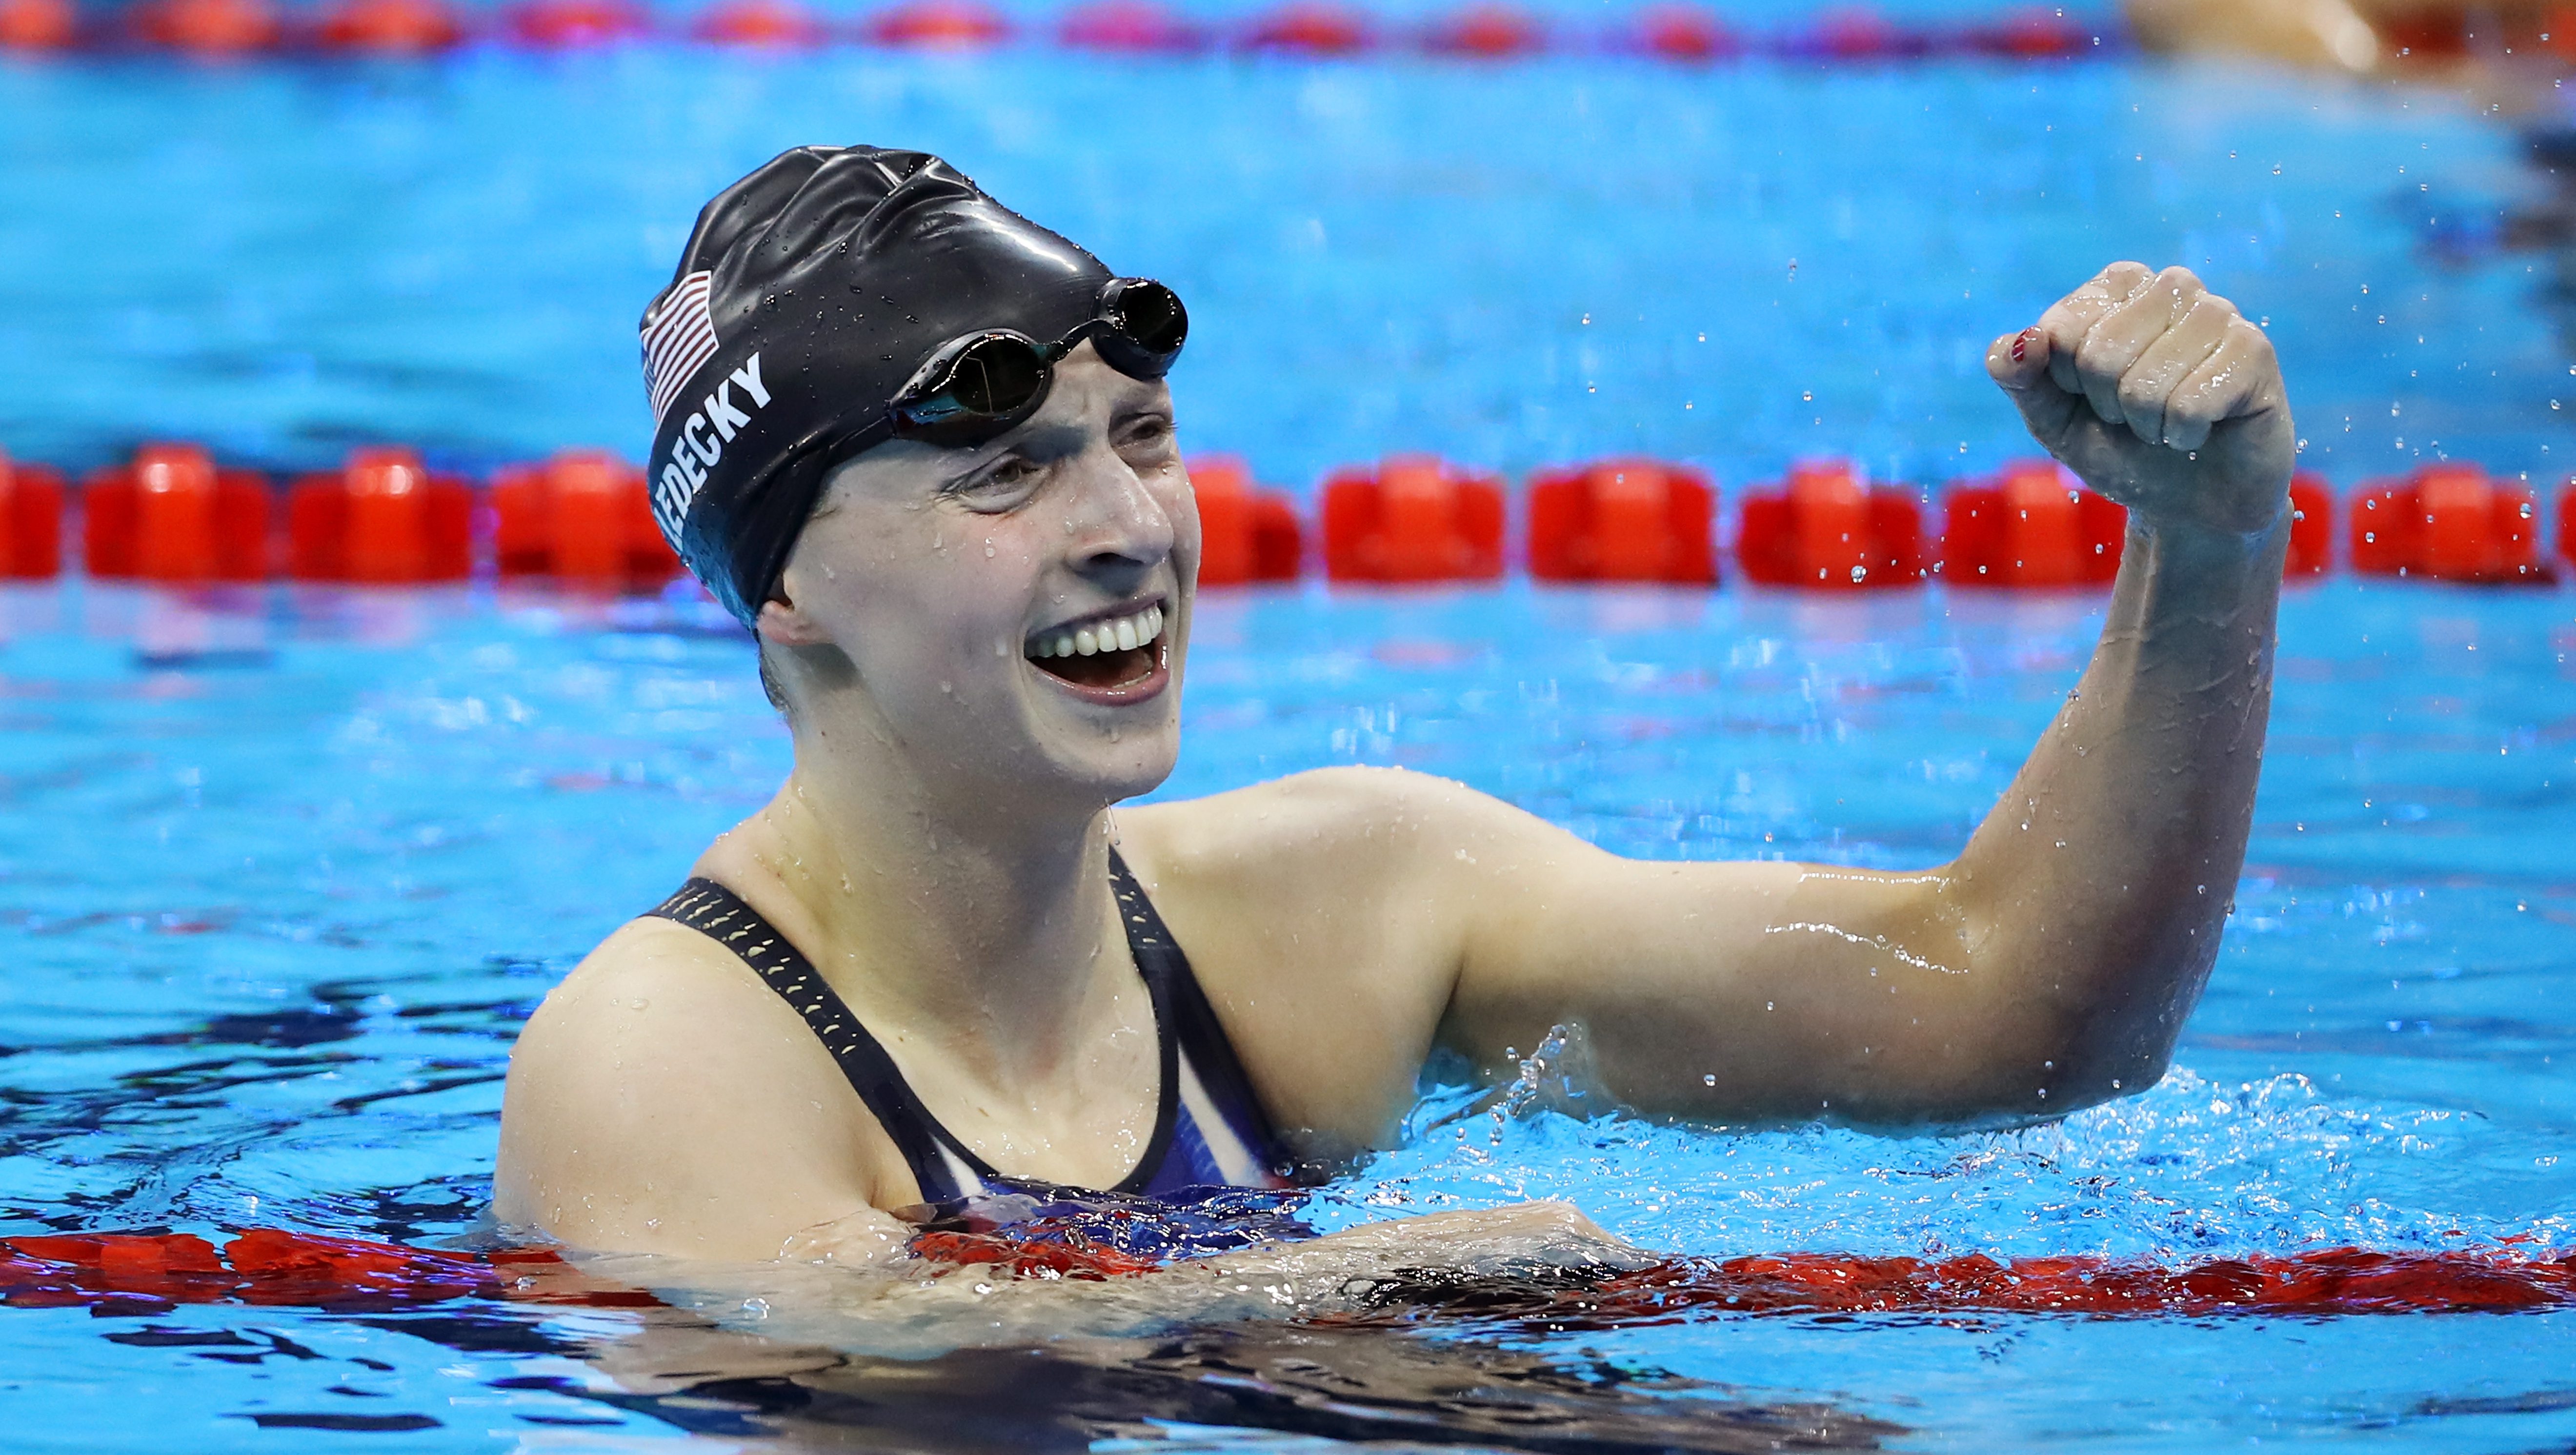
<point x="940" y="851"/>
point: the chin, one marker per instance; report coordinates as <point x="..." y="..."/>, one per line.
<point x="1138" y="762"/>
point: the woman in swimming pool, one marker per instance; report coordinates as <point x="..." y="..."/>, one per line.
<point x="924" y="449"/>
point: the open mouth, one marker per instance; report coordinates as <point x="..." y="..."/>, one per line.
<point x="1109" y="652"/>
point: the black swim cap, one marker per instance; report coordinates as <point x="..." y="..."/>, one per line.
<point x="808" y="295"/>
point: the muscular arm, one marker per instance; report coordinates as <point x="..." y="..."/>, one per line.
<point x="2049" y="966"/>
<point x="2053" y="962"/>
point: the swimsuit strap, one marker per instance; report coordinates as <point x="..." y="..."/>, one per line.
<point x="721" y="915"/>
<point x="942" y="1164"/>
<point x="1189" y="1023"/>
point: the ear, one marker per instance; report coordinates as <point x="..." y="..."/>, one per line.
<point x="782" y="623"/>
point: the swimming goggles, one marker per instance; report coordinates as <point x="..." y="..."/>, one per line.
<point x="981" y="384"/>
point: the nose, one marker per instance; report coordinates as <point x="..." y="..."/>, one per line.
<point x="1122" y="530"/>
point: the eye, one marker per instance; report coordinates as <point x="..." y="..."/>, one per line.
<point x="1146" y="434"/>
<point x="1000" y="486"/>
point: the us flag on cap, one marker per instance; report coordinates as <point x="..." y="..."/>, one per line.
<point x="680" y="336"/>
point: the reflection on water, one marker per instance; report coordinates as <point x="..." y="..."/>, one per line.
<point x="1281" y="1378"/>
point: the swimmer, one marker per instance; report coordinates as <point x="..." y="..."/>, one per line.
<point x="2500" y="51"/>
<point x="923" y="448"/>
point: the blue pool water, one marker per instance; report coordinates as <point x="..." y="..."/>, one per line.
<point x="1515" y="265"/>
<point x="284" y="869"/>
<point x="272" y="924"/>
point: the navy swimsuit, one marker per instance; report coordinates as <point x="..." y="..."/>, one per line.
<point x="1209" y="1129"/>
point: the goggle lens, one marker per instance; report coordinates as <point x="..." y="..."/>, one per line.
<point x="978" y="386"/>
<point x="1147" y="316"/>
<point x="973" y="389"/>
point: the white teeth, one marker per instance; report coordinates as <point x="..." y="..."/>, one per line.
<point x="1121" y="634"/>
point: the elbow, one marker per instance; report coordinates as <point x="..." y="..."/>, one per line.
<point x="2105" y="1062"/>
<point x="2069" y="1063"/>
<point x="2082" y="1077"/>
<point x="2019" y="1066"/>
<point x="2070" y="1025"/>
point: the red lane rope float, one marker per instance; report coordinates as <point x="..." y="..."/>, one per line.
<point x="573" y="24"/>
<point x="2311" y="526"/>
<point x="584" y="517"/>
<point x="2034" y="35"/>
<point x="390" y="27"/>
<point x="1072" y="1256"/>
<point x="1858" y="34"/>
<point x="1623" y="520"/>
<point x="1134" y="27"/>
<point x="172" y="516"/>
<point x="951" y="25"/>
<point x="31" y="522"/>
<point x="1414" y="518"/>
<point x="1825" y="529"/>
<point x="382" y="518"/>
<point x="2031" y="527"/>
<point x="1491" y="29"/>
<point x="779" y="24"/>
<point x="267" y="1266"/>
<point x="1682" y="33"/>
<point x="2567" y="523"/>
<point x="2451" y="522"/>
<point x="207" y="27"/>
<point x="2335" y="1281"/>
<point x="1486" y="31"/>
<point x="1246" y="534"/>
<point x="38" y="25"/>
<point x="1310" y="28"/>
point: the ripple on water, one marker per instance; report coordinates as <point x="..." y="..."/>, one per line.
<point x="2191" y="1169"/>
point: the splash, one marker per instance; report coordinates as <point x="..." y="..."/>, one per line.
<point x="2192" y="1169"/>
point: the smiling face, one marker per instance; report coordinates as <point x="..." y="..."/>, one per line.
<point x="1008" y="619"/>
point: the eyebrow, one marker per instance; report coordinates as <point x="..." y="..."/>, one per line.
<point x="1055" y="441"/>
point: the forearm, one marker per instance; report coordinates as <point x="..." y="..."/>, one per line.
<point x="2094" y="895"/>
<point x="2053" y="962"/>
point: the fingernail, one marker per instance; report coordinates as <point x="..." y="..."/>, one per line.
<point x="2021" y="343"/>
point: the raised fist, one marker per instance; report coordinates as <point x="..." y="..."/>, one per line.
<point x="2156" y="392"/>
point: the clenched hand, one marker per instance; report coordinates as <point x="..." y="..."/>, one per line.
<point x="2158" y="393"/>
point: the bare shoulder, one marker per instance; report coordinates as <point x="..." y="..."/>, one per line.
<point x="663" y="1099"/>
<point x="651" y="988"/>
<point x="1365" y="821"/>
<point x="1423" y="853"/>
